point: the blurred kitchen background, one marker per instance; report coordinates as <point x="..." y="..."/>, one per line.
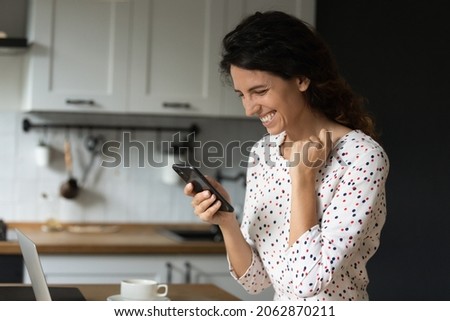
<point x="134" y="193"/>
<point x="393" y="52"/>
<point x="139" y="192"/>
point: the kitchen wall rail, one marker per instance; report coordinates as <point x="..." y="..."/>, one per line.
<point x="27" y="125"/>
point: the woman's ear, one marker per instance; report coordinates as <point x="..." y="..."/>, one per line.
<point x="303" y="83"/>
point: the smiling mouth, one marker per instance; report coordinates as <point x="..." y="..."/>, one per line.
<point x="268" y="117"/>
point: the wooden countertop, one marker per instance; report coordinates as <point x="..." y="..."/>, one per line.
<point x="177" y="292"/>
<point x="115" y="239"/>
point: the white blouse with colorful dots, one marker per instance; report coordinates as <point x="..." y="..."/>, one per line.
<point x="328" y="262"/>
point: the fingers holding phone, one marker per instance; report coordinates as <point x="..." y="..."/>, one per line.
<point x="209" y="199"/>
<point x="198" y="183"/>
<point x="206" y="206"/>
<point x="219" y="188"/>
<point x="189" y="189"/>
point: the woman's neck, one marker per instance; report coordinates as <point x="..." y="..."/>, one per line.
<point x="312" y="125"/>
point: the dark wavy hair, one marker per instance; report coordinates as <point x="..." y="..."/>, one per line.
<point x="287" y="47"/>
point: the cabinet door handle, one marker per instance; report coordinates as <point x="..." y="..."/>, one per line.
<point x="169" y="268"/>
<point x="80" y="102"/>
<point x="176" y="105"/>
<point x="3" y="230"/>
<point x="187" y="273"/>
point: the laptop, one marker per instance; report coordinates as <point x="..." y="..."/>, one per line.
<point x="39" y="290"/>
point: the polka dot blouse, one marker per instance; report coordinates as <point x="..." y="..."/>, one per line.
<point x="328" y="262"/>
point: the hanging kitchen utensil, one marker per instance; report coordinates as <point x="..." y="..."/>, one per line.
<point x="70" y="188"/>
<point x="42" y="151"/>
<point x="94" y="145"/>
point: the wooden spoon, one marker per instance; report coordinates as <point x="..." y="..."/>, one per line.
<point x="70" y="188"/>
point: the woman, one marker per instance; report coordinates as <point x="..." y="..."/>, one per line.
<point x="315" y="195"/>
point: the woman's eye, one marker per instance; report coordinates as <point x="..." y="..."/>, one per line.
<point x="261" y="92"/>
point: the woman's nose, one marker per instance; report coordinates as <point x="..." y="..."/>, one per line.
<point x="250" y="107"/>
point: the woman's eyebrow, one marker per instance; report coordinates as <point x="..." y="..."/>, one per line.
<point x="252" y="88"/>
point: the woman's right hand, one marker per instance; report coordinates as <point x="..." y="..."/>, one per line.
<point x="206" y="205"/>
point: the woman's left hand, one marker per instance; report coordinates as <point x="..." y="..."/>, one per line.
<point x="308" y="156"/>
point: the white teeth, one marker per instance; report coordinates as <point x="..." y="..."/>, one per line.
<point x="268" y="117"/>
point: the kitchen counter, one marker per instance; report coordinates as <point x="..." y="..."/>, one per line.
<point x="177" y="292"/>
<point x="117" y="238"/>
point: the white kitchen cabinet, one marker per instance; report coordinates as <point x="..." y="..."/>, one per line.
<point x="110" y="269"/>
<point x="11" y="79"/>
<point x="137" y="56"/>
<point x="79" y="56"/>
<point x="176" y="48"/>
<point x="102" y="269"/>
<point x="174" y="57"/>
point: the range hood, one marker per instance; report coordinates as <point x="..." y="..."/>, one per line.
<point x="14" y="42"/>
<point x="10" y="46"/>
<point x="13" y="25"/>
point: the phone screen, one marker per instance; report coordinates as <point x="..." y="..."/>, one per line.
<point x="192" y="175"/>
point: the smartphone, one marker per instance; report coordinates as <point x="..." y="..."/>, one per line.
<point x="192" y="175"/>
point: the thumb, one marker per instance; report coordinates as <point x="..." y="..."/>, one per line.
<point x="326" y="137"/>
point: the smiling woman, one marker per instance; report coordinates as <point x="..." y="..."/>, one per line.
<point x="290" y="50"/>
<point x="259" y="90"/>
<point x="315" y="194"/>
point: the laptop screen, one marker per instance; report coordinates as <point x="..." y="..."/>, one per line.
<point x="39" y="290"/>
<point x="34" y="267"/>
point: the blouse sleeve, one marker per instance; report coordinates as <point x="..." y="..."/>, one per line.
<point x="349" y="229"/>
<point x="255" y="279"/>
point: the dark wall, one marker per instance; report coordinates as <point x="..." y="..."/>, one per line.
<point x="397" y="54"/>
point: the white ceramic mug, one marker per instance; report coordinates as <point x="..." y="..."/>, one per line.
<point x="42" y="154"/>
<point x="141" y="289"/>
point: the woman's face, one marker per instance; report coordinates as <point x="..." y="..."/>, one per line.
<point x="278" y="103"/>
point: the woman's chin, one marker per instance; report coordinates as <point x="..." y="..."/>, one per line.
<point x="274" y="131"/>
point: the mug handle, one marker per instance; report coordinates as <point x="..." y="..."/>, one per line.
<point x="162" y="286"/>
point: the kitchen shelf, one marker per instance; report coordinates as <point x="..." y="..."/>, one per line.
<point x="14" y="42"/>
<point x="27" y="125"/>
<point x="13" y="45"/>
